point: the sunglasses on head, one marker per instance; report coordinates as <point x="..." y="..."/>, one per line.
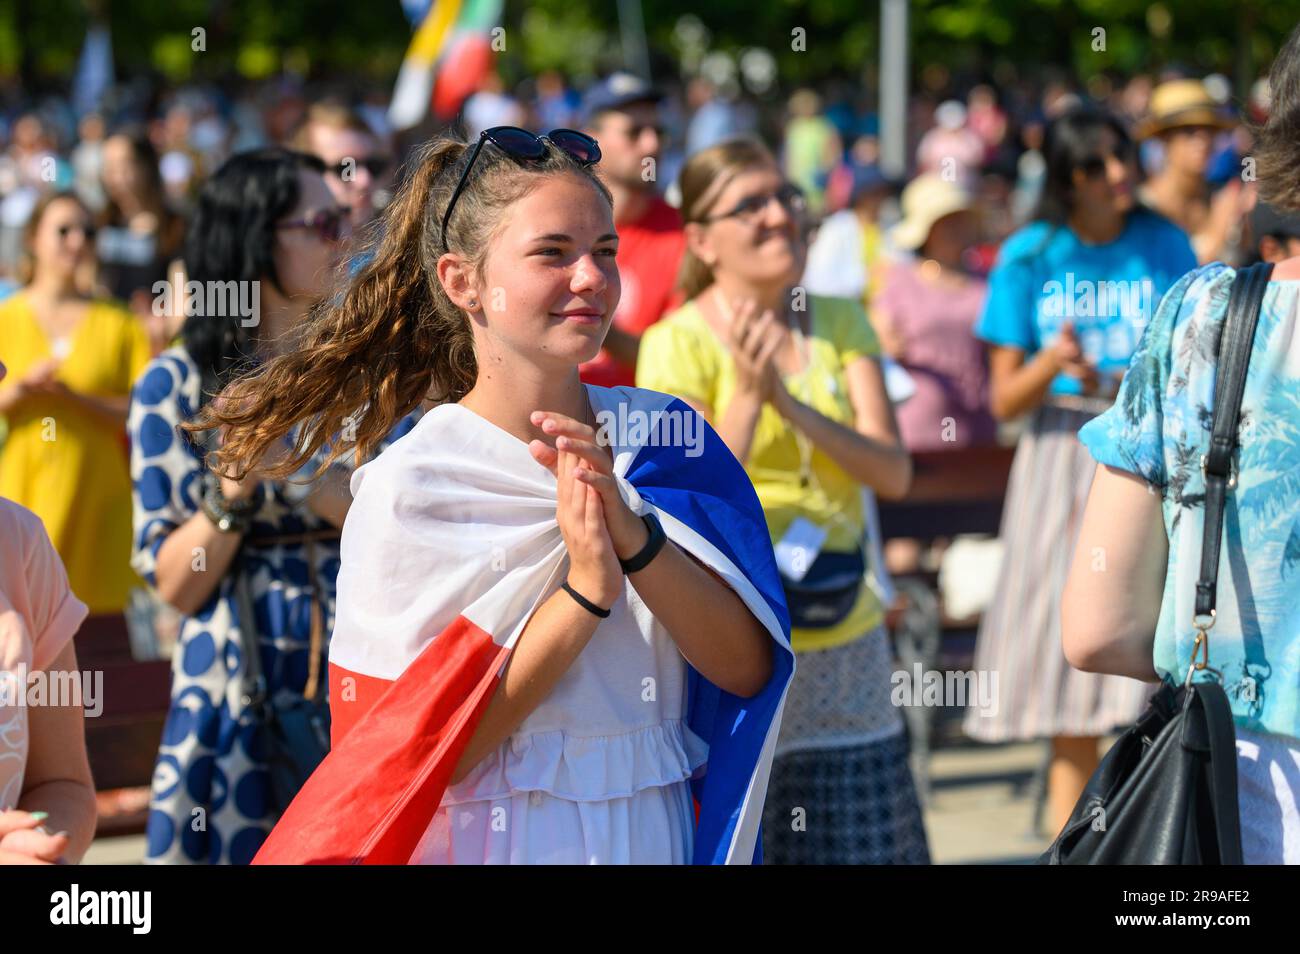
<point x="327" y="223"/>
<point x="522" y="146"/>
<point x="375" y="165"/>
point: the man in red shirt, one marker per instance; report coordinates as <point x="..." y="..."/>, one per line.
<point x="622" y="113"/>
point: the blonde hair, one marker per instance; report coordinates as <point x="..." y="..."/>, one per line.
<point x="706" y="174"/>
<point x="368" y="357"/>
<point x="331" y="115"/>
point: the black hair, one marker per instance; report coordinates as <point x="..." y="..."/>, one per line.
<point x="232" y="239"/>
<point x="1071" y="141"/>
<point x="146" y="158"/>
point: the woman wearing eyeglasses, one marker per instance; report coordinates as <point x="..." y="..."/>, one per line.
<point x="793" y="386"/>
<point x="263" y="247"/>
<point x="560" y="638"/>
<point x="71" y="361"/>
<point x="1068" y="301"/>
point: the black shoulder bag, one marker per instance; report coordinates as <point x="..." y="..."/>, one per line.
<point x="1166" y="792"/>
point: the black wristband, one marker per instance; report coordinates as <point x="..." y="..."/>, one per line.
<point x="585" y="603"/>
<point x="639" y="561"/>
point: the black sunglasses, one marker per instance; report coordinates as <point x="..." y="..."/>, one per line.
<point x="326" y="223"/>
<point x="86" y="230"/>
<point x="1094" y="167"/>
<point x="374" y="165"/>
<point x="522" y="146"/>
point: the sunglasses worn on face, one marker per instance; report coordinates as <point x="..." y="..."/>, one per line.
<point x="326" y="223"/>
<point x="346" y="168"/>
<point x="749" y="209"/>
<point x="635" y="130"/>
<point x="522" y="146"/>
<point x="1094" y="167"/>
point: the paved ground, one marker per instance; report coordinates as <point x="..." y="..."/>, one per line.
<point x="981" y="805"/>
<point x="980" y="808"/>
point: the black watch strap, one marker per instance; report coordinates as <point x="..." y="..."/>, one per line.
<point x="640" y="560"/>
<point x="585" y="603"/>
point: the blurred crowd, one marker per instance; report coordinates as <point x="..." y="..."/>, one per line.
<point x="934" y="272"/>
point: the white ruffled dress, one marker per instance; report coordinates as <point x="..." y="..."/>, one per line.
<point x="597" y="774"/>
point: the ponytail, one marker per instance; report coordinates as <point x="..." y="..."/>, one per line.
<point x="368" y="358"/>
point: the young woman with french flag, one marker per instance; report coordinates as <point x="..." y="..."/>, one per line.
<point x="554" y="643"/>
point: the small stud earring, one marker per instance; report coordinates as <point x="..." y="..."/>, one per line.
<point x="473" y="302"/>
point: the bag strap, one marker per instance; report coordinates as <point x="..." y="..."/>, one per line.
<point x="253" y="683"/>
<point x="1235" y="341"/>
<point x="1222" y="770"/>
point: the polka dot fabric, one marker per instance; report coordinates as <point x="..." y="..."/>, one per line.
<point x="211" y="798"/>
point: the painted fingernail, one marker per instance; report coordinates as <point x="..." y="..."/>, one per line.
<point x="61" y="834"/>
<point x="40" y="816"/>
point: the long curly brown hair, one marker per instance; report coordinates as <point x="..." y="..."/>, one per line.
<point x="368" y="357"/>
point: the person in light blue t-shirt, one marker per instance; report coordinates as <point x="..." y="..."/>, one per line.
<point x="1048" y="281"/>
<point x="1068" y="300"/>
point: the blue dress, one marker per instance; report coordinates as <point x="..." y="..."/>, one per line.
<point x="211" y="799"/>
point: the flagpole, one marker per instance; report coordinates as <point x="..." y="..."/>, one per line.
<point x="636" y="54"/>
<point x="893" y="87"/>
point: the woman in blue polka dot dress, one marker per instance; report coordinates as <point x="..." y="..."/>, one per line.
<point x="266" y="226"/>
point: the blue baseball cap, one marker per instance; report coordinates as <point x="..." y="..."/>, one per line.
<point x="869" y="178"/>
<point x="617" y="91"/>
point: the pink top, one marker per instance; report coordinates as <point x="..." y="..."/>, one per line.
<point x="38" y="616"/>
<point x="944" y="358"/>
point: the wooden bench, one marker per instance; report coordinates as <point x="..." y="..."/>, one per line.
<point x="953" y="492"/>
<point x="122" y="741"/>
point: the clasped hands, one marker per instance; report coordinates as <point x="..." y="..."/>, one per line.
<point x="598" y="526"/>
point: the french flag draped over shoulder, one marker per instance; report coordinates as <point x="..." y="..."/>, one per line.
<point x="450" y="545"/>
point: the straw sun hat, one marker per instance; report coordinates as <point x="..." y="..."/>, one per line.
<point x="927" y="198"/>
<point x="1182" y="103"/>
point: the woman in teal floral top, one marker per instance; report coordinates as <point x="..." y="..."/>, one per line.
<point x="1138" y="555"/>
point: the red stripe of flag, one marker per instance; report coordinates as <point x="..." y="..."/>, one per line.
<point x="374" y="796"/>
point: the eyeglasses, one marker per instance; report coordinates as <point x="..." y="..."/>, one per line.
<point x="375" y="165"/>
<point x="522" y="146"/>
<point x="86" y="230"/>
<point x="326" y="223"/>
<point x="749" y="209"/>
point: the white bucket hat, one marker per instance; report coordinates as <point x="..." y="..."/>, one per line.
<point x="927" y="198"/>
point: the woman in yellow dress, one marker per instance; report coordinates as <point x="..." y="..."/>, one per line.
<point x="71" y="363"/>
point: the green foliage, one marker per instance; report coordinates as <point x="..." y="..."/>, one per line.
<point x="41" y="38"/>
